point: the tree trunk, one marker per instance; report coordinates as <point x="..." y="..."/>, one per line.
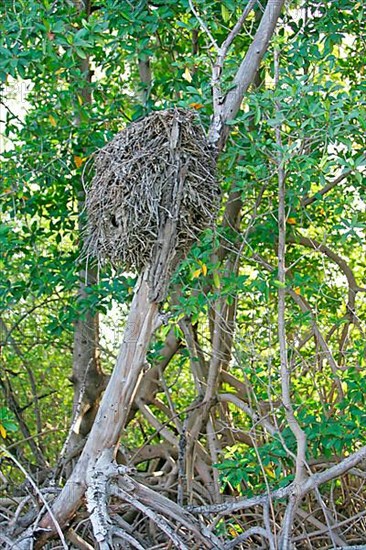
<point x="116" y="403"/>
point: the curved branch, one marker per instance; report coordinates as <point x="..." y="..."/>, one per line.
<point x="246" y="535"/>
<point x="203" y="25"/>
<point x="235" y="400"/>
<point x="314" y="481"/>
<point x="328" y="187"/>
<point x="324" y="249"/>
<point x="353" y="287"/>
<point x="222" y="53"/>
<point x="305" y="307"/>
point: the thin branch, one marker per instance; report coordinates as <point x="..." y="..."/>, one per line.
<point x="267" y="523"/>
<point x="8" y="332"/>
<point x="166" y="507"/>
<point x="235" y="400"/>
<point x="328" y="187"/>
<point x="308" y="517"/>
<point x="285" y="371"/>
<point x="221" y="56"/>
<point x="163" y="425"/>
<point x="33" y="385"/>
<point x="353" y="288"/>
<point x="228" y="508"/>
<point x="196" y="363"/>
<point x="305" y="307"/>
<point x="323" y="528"/>
<point x="334" y="537"/>
<point x="313" y="481"/>
<point x="321" y="247"/>
<point x="236" y="29"/>
<point x="156" y="518"/>
<point x="298" y="432"/>
<point x="39" y="494"/>
<point x="118" y="532"/>
<point x="203" y="25"/>
<point x="245" y="536"/>
<point x="156" y="424"/>
<point x="16" y="409"/>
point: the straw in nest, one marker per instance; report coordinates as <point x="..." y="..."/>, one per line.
<point x="153" y="192"/>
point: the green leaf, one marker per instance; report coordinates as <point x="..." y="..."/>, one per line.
<point x="279" y="284"/>
<point x="225" y="13"/>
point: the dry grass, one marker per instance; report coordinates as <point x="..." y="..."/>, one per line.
<point x="154" y="182"/>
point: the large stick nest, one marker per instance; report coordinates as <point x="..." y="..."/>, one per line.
<point x="153" y="192"/>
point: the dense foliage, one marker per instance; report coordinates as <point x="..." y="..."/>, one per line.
<point x="77" y="79"/>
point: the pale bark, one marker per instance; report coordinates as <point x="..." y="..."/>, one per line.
<point x="299" y="434"/>
<point x="307" y="485"/>
<point x="226" y="108"/>
<point x="114" y="409"/>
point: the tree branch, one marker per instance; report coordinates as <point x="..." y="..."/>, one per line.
<point x="313" y="481"/>
<point x="298" y="432"/>
<point x="245" y="536"/>
<point x="228" y="108"/>
<point x="305" y="307"/>
<point x="328" y="187"/>
<point x="324" y="249"/>
<point x="203" y="25"/>
<point x="221" y="56"/>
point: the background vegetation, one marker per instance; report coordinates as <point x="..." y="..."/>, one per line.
<point x="81" y="75"/>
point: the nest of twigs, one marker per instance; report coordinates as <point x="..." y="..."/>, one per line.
<point x="153" y="192"/>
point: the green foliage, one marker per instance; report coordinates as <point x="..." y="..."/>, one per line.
<point x="7" y="423"/>
<point x="68" y="114"/>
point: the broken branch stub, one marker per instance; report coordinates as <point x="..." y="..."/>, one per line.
<point x="153" y="192"/>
